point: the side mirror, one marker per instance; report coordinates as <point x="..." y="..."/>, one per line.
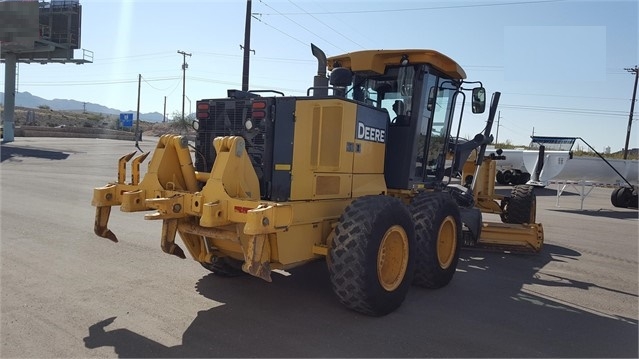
<point x="196" y="125"/>
<point x="479" y="100"/>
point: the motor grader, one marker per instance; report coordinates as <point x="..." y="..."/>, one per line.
<point x="353" y="172"/>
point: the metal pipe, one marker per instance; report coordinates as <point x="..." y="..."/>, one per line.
<point x="320" y="81"/>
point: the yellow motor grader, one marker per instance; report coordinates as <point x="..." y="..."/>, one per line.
<point x="353" y="172"/>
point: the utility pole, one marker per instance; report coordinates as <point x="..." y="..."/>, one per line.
<point x="164" y="115"/>
<point x="246" y="47"/>
<point x="634" y="70"/>
<point x="137" y="122"/>
<point x="184" y="67"/>
<point x="497" y="134"/>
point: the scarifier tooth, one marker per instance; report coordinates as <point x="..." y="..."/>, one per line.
<point x="101" y="221"/>
<point x="175" y="250"/>
<point x="122" y="166"/>
<point x="135" y="168"/>
<point x="106" y="233"/>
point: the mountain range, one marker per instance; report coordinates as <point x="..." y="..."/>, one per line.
<point x="25" y="99"/>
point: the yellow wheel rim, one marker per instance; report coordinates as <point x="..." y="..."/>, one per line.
<point x="392" y="258"/>
<point x="446" y="242"/>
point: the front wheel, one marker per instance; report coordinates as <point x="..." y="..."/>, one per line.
<point x="438" y="235"/>
<point x="521" y="206"/>
<point x="370" y="261"/>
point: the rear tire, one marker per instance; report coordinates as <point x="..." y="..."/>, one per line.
<point x="524" y="177"/>
<point x="500" y="178"/>
<point x="521" y="206"/>
<point x="507" y="176"/>
<point x="625" y="198"/>
<point x="613" y="197"/>
<point x="371" y="258"/>
<point x="439" y="238"/>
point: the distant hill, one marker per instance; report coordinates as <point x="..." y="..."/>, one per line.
<point x="25" y="99"/>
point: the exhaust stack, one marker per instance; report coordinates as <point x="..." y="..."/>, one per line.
<point x="320" y="81"/>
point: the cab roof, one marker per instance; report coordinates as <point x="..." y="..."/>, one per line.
<point x="376" y="61"/>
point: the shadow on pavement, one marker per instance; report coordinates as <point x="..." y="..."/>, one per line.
<point x="13" y="153"/>
<point x="483" y="312"/>
<point x="627" y="214"/>
<point x="539" y="192"/>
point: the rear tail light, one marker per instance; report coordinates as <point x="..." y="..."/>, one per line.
<point x="202" y="110"/>
<point x="258" y="109"/>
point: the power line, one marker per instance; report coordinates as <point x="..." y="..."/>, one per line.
<point x="255" y="86"/>
<point x="569" y="96"/>
<point x="352" y="29"/>
<point x="259" y="58"/>
<point x="302" y="26"/>
<point x="94" y="82"/>
<point x="154" y="55"/>
<point x="280" y="31"/>
<point x="421" y="8"/>
<point x="565" y="110"/>
<point x="155" y="88"/>
<point x="340" y="33"/>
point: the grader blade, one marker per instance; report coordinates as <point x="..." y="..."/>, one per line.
<point x="516" y="238"/>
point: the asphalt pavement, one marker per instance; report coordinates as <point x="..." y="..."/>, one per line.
<point x="64" y="292"/>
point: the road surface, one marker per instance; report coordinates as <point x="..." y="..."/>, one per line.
<point x="68" y="293"/>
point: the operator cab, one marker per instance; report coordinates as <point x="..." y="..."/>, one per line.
<point x="420" y="99"/>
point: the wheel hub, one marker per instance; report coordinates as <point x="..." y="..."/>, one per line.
<point x="446" y="242"/>
<point x="392" y="258"/>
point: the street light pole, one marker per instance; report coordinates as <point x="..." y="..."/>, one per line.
<point x="184" y="67"/>
<point x="634" y="70"/>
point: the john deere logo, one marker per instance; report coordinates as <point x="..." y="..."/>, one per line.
<point x="368" y="133"/>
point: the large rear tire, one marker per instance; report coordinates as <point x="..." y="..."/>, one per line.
<point x="521" y="206"/>
<point x="438" y="235"/>
<point x="370" y="261"/>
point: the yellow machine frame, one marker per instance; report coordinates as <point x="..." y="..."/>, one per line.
<point x="333" y="170"/>
<point x="526" y="237"/>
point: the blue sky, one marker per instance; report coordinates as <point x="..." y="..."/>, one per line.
<point x="558" y="64"/>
